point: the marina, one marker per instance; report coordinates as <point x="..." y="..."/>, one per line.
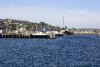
<point x="34" y="35"/>
<point x="10" y="28"/>
<point x="24" y="29"/>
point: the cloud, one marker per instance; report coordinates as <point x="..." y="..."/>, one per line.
<point x="73" y="18"/>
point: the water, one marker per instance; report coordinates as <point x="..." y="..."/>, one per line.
<point x="67" y="51"/>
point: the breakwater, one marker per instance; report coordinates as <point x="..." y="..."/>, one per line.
<point x="86" y="31"/>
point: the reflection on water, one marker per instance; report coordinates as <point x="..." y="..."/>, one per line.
<point x="67" y="51"/>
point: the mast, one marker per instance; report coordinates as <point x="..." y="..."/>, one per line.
<point x="63" y="21"/>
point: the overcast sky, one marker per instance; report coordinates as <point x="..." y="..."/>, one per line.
<point x="77" y="13"/>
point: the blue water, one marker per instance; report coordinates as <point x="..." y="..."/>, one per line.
<point x="66" y="51"/>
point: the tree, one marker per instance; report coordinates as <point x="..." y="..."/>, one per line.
<point x="43" y="23"/>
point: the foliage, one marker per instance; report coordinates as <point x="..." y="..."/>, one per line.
<point x="16" y="24"/>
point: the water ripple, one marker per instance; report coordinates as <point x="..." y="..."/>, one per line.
<point x="66" y="51"/>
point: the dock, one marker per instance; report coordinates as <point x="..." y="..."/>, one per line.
<point x="24" y="36"/>
<point x="34" y="34"/>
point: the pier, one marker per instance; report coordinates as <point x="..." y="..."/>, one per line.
<point x="31" y="35"/>
<point x="25" y="34"/>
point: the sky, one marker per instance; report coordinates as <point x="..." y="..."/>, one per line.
<point x="76" y="13"/>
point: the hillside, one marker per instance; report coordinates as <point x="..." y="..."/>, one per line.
<point x="12" y="24"/>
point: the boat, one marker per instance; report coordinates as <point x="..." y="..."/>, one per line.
<point x="39" y="35"/>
